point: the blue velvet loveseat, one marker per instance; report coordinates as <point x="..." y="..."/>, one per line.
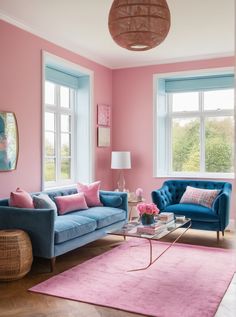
<point x="216" y="218"/>
<point x="53" y="235"/>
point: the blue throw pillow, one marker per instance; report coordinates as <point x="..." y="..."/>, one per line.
<point x="111" y="200"/>
<point x="43" y="201"/>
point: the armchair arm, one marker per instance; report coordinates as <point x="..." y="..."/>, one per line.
<point x="115" y="200"/>
<point x="221" y="206"/>
<point x="162" y="197"/>
<point x="38" y="223"/>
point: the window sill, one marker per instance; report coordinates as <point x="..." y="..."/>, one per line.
<point x="198" y="176"/>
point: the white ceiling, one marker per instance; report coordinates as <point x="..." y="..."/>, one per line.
<point x="199" y="29"/>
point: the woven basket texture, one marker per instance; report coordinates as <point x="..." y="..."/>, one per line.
<point x="15" y="254"/>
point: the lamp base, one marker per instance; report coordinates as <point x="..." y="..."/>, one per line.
<point x="121" y="182"/>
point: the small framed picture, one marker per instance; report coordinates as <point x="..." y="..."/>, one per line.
<point x="104" y="115"/>
<point x="104" y="137"/>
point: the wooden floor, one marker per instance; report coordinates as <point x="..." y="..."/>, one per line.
<point x="16" y="301"/>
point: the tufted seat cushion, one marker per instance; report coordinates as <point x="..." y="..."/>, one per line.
<point x="194" y="212"/>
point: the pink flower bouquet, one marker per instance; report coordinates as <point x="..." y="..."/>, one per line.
<point x="147" y="209"/>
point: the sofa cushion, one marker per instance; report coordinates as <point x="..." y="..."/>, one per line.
<point x="70" y="203"/>
<point x="70" y="226"/>
<point x="104" y="216"/>
<point x="195" y="212"/>
<point x="199" y="196"/>
<point x="21" y="199"/>
<point x="111" y="200"/>
<point x="43" y="201"/>
<point x="91" y="193"/>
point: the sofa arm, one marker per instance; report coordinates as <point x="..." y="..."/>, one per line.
<point x="162" y="197"/>
<point x="115" y="200"/>
<point x="38" y="223"/>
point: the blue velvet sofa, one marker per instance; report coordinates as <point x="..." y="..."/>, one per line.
<point x="216" y="218"/>
<point x="53" y="235"/>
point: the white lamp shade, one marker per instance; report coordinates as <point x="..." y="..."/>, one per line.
<point x="120" y="160"/>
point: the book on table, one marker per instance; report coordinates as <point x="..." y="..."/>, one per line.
<point x="153" y="229"/>
<point x="166" y="216"/>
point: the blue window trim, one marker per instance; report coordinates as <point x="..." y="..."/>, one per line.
<point x="199" y="83"/>
<point x="61" y="78"/>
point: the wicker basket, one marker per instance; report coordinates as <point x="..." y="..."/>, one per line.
<point x="15" y="254"/>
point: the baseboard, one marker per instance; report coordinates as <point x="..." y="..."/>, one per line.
<point x="231" y="226"/>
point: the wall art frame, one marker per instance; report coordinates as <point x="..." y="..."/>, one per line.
<point x="104" y="137"/>
<point x="9" y="141"/>
<point x="104" y="115"/>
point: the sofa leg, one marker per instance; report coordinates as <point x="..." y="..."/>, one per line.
<point x="223" y="233"/>
<point x="52" y="264"/>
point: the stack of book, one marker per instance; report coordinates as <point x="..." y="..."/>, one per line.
<point x="152" y="229"/>
<point x="166" y="216"/>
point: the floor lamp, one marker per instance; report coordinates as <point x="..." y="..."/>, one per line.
<point x="120" y="161"/>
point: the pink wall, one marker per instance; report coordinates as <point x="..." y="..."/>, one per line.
<point x="20" y="92"/>
<point x="133" y="118"/>
<point x="129" y="91"/>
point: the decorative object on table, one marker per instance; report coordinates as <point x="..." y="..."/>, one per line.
<point x="139" y="25"/>
<point x="120" y="160"/>
<point x="179" y="217"/>
<point x="104" y="137"/>
<point x="8" y="141"/>
<point x="206" y="271"/>
<point x="147" y="213"/>
<point x="139" y="194"/>
<point x="104" y="115"/>
<point x="131" y="196"/>
<point x="166" y="216"/>
<point x="15" y="254"/>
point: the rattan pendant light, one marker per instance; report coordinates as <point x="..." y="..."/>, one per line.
<point x="139" y="25"/>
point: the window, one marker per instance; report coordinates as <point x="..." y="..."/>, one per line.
<point x="60" y="117"/>
<point x="67" y="124"/>
<point x="195" y="124"/>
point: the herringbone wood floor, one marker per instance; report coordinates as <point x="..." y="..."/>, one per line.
<point x="16" y="301"/>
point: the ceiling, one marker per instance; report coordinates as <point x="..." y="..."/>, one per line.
<point x="199" y="29"/>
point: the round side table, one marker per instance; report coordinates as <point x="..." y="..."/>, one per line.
<point x="133" y="203"/>
<point x="15" y="254"/>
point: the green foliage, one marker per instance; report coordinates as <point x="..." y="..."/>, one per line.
<point x="218" y="145"/>
<point x="186" y="150"/>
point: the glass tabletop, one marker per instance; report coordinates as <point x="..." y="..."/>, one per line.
<point x="135" y="229"/>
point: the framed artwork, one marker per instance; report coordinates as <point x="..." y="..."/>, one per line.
<point x="8" y="141"/>
<point x="104" y="137"/>
<point x="104" y="115"/>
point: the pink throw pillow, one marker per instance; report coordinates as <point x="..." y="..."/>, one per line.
<point x="70" y="203"/>
<point x="199" y="196"/>
<point x="91" y="193"/>
<point x="21" y="199"/>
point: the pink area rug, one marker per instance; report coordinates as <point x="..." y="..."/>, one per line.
<point x="187" y="281"/>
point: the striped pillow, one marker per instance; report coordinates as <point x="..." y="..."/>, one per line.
<point x="199" y="196"/>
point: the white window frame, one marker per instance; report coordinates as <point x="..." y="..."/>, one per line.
<point x="84" y="140"/>
<point x="162" y="156"/>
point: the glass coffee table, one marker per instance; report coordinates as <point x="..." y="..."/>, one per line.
<point x="130" y="230"/>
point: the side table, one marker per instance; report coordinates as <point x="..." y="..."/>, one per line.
<point x="15" y="254"/>
<point x="133" y="203"/>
